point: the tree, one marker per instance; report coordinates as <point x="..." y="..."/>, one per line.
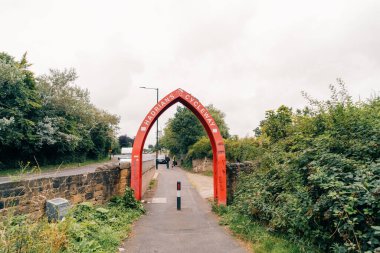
<point x="79" y="129"/>
<point x="219" y="118"/>
<point x="184" y="130"/>
<point x="19" y="109"/>
<point x="276" y="124"/>
<point x="181" y="132"/>
<point x="49" y="118"/>
<point x="200" y="149"/>
<point x="125" y="141"/>
<point x="169" y="139"/>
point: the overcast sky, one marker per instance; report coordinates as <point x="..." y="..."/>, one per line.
<point x="245" y="57"/>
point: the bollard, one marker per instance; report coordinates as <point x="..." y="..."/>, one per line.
<point x="178" y="195"/>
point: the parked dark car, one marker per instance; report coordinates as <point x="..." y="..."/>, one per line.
<point x="161" y="159"/>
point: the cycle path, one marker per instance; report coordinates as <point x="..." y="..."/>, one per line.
<point x="164" y="229"/>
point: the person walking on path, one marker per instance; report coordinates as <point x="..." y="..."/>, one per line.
<point x="167" y="161"/>
<point x="174" y="162"/>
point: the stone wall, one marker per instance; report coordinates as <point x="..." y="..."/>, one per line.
<point x="148" y="165"/>
<point x="201" y="165"/>
<point x="233" y="170"/>
<point x="147" y="177"/>
<point x="29" y="196"/>
<point x="148" y="170"/>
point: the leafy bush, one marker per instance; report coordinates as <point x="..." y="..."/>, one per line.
<point x="261" y="238"/>
<point x="200" y="149"/>
<point x="245" y="149"/>
<point x="318" y="178"/>
<point x="128" y="201"/>
<point x="86" y="228"/>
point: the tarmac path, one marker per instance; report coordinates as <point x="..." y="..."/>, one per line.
<point x="165" y="230"/>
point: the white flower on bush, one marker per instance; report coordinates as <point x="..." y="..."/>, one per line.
<point x="71" y="139"/>
<point x="4" y="122"/>
<point x="47" y="131"/>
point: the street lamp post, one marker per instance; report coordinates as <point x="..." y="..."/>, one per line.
<point x="143" y="87"/>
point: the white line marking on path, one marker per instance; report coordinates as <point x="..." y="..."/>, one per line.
<point x="159" y="201"/>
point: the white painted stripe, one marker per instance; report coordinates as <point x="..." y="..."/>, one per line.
<point x="179" y="194"/>
<point x="159" y="201"/>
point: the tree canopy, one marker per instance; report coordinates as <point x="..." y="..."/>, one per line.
<point x="125" y="141"/>
<point x="184" y="130"/>
<point x="49" y="119"/>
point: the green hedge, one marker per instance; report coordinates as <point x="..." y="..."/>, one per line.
<point x="318" y="178"/>
<point x="86" y="228"/>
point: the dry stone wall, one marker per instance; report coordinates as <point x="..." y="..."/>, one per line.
<point x="201" y="165"/>
<point x="233" y="170"/>
<point x="29" y="196"/>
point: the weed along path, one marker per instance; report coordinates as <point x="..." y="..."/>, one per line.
<point x="164" y="229"/>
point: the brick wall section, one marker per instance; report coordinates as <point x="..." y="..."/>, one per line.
<point x="233" y="171"/>
<point x="29" y="196"/>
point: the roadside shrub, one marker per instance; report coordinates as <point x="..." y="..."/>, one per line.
<point x="128" y="201"/>
<point x="244" y="149"/>
<point x="200" y="149"/>
<point x="262" y="240"/>
<point x="20" y="234"/>
<point x="319" y="178"/>
<point x="86" y="228"/>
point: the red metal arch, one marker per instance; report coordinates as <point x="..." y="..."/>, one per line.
<point x="219" y="157"/>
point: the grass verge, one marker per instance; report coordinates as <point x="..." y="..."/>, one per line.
<point x="208" y="173"/>
<point x="86" y="228"/>
<point x="152" y="184"/>
<point x="261" y="240"/>
<point x="28" y="169"/>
